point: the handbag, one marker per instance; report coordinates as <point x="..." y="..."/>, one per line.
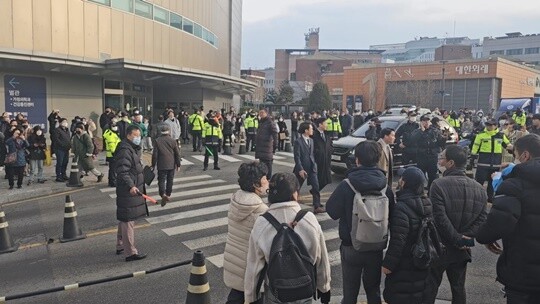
<point x="148" y="175"/>
<point x="282" y="136"/>
<point x="11" y="158"/>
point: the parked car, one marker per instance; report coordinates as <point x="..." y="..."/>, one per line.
<point x="396" y="110"/>
<point x="343" y="153"/>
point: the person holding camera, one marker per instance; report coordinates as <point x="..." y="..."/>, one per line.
<point x="16" y="158"/>
<point x="459" y="209"/>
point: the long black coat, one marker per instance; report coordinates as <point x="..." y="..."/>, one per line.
<point x="37" y="146"/>
<point x="266" y="141"/>
<point x="514" y="219"/>
<point x="129" y="173"/>
<point x="323" y="153"/>
<point x="406" y="284"/>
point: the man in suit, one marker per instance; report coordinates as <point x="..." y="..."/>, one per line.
<point x="305" y="165"/>
<point x="386" y="162"/>
<point x="323" y="152"/>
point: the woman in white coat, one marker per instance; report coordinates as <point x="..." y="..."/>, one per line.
<point x="282" y="197"/>
<point x="246" y="205"/>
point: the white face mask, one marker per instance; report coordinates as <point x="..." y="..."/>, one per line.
<point x="412" y="119"/>
<point x="114" y="129"/>
<point x="38" y="133"/>
<point x="64" y="124"/>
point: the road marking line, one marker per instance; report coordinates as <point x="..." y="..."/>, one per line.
<point x="91" y="234"/>
<point x="185" y="162"/>
<point x="229" y="158"/>
<point x="155" y="190"/>
<point x="199" y="157"/>
<point x="216" y="260"/>
<point x="206" y="241"/>
<point x="178" y="179"/>
<point x="289" y="154"/>
<point x="187" y="214"/>
<point x="196" y="226"/>
<point x="277" y="162"/>
<point x="46" y="197"/>
<point x="191" y="202"/>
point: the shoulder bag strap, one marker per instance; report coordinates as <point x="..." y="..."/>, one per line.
<point x="272" y="221"/>
<point x="300" y="215"/>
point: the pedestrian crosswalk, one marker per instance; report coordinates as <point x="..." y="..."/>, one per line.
<point x="196" y="216"/>
<point x="280" y="158"/>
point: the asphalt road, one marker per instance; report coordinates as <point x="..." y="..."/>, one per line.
<point x="195" y="220"/>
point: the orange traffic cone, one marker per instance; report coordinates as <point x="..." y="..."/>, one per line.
<point x="198" y="288"/>
<point x="72" y="231"/>
<point x="6" y="244"/>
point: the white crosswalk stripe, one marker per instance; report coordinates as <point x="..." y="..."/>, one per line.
<point x="191" y="202"/>
<point x="153" y="190"/>
<point x="289" y="154"/>
<point x="185" y="162"/>
<point x="176" y="180"/>
<point x="276" y="162"/>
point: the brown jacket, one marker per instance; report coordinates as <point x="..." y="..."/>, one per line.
<point x="386" y="159"/>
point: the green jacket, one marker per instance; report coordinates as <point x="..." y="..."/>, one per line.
<point x="196" y="122"/>
<point x="83" y="149"/>
<point x="111" y="141"/>
<point x="489" y="146"/>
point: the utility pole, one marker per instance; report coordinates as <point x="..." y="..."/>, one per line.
<point x="442" y="91"/>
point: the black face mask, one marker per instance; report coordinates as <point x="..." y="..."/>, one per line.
<point x="25" y="127"/>
<point x="78" y="132"/>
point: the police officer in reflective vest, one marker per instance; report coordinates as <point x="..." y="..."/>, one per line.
<point x="453" y="120"/>
<point x="488" y="147"/>
<point x="333" y="127"/>
<point x="196" y="123"/>
<point x="519" y="117"/>
<point x="251" y="124"/>
<point x="211" y="136"/>
<point x="111" y="138"/>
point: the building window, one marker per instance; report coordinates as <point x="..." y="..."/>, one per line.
<point x="188" y="26"/>
<point x="498" y="52"/>
<point x="124" y="5"/>
<point x="176" y="21"/>
<point x="161" y="15"/>
<point x="104" y="2"/>
<point x="143" y="9"/>
<point x="197" y="30"/>
<point x="532" y="50"/>
<point x="514" y="52"/>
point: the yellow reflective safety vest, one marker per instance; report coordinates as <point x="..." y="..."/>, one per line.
<point x="212" y="134"/>
<point x="520" y="119"/>
<point x="196" y="122"/>
<point x="111" y="141"/>
<point x="333" y="127"/>
<point x="251" y="124"/>
<point x="453" y="122"/>
<point x="489" y="146"/>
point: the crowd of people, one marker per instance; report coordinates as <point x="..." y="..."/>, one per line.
<point x="282" y="248"/>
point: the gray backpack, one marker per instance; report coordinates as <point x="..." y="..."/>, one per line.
<point x="369" y="220"/>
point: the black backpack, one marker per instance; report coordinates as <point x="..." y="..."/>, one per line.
<point x="428" y="248"/>
<point x="291" y="273"/>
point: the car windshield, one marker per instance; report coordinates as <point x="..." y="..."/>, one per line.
<point x="361" y="132"/>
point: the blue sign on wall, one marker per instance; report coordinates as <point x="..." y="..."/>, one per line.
<point x="27" y="95"/>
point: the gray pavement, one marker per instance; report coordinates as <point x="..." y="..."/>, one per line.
<point x="169" y="235"/>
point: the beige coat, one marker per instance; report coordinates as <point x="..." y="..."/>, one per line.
<point x="244" y="209"/>
<point x="261" y="239"/>
<point x="384" y="161"/>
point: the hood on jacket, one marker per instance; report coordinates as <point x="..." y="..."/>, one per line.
<point x="243" y="204"/>
<point x="367" y="178"/>
<point x="529" y="171"/>
<point x="420" y="204"/>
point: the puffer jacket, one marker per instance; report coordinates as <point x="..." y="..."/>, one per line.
<point x="514" y="219"/>
<point x="406" y="284"/>
<point x="244" y="209"/>
<point x="267" y="140"/>
<point x="459" y="208"/>
<point x="263" y="234"/>
<point x="129" y="172"/>
<point x="17" y="146"/>
<point x="340" y="203"/>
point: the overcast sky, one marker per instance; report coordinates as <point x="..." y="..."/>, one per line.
<point x="357" y="24"/>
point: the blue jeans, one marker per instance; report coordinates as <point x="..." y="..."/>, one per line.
<point x="62" y="159"/>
